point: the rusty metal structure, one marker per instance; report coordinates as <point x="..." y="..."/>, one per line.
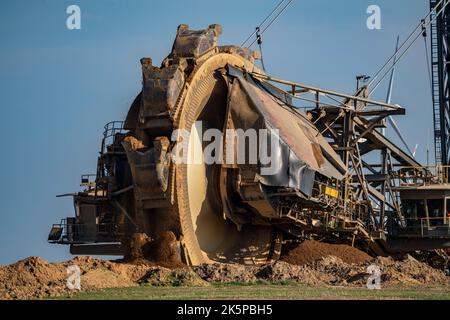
<point x="329" y="182"/>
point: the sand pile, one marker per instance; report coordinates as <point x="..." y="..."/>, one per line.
<point x="182" y="277"/>
<point x="310" y="251"/>
<point x="333" y="271"/>
<point x="226" y="273"/>
<point x="410" y="271"/>
<point x="284" y="272"/>
<point x="30" y="278"/>
<point x="35" y="278"/>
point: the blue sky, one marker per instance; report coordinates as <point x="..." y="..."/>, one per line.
<point x="59" y="87"/>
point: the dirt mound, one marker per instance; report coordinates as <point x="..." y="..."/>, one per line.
<point x="284" y="272"/>
<point x="315" y="262"/>
<point x="30" y="278"/>
<point x="409" y="271"/>
<point x="101" y="279"/>
<point x="310" y="251"/>
<point x="225" y="273"/>
<point x="35" y="278"/>
<point x="156" y="276"/>
<point x="161" y="276"/>
<point x="333" y="271"/>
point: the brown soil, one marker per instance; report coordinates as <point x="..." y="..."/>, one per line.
<point x="333" y="271"/>
<point x="409" y="271"/>
<point x="226" y="273"/>
<point x="283" y="272"/>
<point x="137" y="246"/>
<point x="35" y="278"/>
<point x="310" y="251"/>
<point x="134" y="143"/>
<point x="163" y="251"/>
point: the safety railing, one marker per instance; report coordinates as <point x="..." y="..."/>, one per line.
<point x="111" y="129"/>
<point x="88" y="180"/>
<point x="422" y="176"/>
<point x="65" y="232"/>
<point x="425" y="227"/>
<point x="69" y="232"/>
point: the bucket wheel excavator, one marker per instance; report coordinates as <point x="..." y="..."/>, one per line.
<point x="153" y="177"/>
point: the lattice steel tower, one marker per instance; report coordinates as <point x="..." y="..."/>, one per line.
<point x="440" y="59"/>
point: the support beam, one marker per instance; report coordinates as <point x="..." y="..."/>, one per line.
<point x="382" y="142"/>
